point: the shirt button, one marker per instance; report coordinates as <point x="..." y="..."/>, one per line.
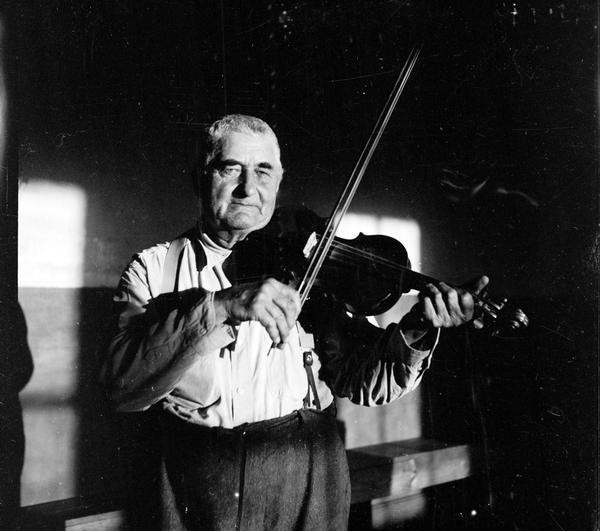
<point x="240" y="391"/>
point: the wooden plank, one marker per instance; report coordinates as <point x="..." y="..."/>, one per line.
<point x="405" y="468"/>
<point x="55" y="515"/>
<point x="396" y="469"/>
<point x="112" y="521"/>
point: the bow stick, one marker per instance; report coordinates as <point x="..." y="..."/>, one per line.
<point x="324" y="244"/>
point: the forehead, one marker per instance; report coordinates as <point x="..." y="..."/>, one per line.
<point x="248" y="147"/>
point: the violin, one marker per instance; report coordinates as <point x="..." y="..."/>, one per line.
<point x="367" y="275"/>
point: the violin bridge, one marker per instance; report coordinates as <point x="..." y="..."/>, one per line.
<point x="310" y="245"/>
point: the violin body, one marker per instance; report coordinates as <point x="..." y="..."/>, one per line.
<point x="366" y="275"/>
<point x="365" y="283"/>
<point x="361" y="273"/>
<point x="354" y="273"/>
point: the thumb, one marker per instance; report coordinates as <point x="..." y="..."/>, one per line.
<point x="477" y="284"/>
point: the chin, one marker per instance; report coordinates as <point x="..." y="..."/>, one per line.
<point x="248" y="223"/>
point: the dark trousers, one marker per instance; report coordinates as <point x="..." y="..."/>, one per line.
<point x="283" y="474"/>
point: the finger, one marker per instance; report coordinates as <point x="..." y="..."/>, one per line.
<point x="429" y="317"/>
<point x="281" y="323"/>
<point x="478" y="284"/>
<point x="467" y="305"/>
<point x="452" y="304"/>
<point x="284" y="296"/>
<point x="270" y="325"/>
<point x="439" y="305"/>
<point x="288" y="303"/>
<point x="259" y="310"/>
<point x="478" y="324"/>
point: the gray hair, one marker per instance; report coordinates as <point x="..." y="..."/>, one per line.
<point x="213" y="140"/>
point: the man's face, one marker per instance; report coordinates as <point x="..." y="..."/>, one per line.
<point x="243" y="185"/>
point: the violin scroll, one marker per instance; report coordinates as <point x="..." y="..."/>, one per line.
<point x="501" y="320"/>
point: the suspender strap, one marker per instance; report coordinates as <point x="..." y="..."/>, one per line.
<point x="306" y="403"/>
<point x="170" y="281"/>
<point x="307" y="343"/>
<point x="170" y="278"/>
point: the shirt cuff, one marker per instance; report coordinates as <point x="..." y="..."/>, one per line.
<point x="205" y="334"/>
<point x="415" y="356"/>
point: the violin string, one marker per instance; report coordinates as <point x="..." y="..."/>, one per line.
<point x="350" y="252"/>
<point x="486" y="304"/>
<point x="346" y="254"/>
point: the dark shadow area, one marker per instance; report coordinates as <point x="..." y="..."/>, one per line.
<point x="16" y="364"/>
<point x="530" y="406"/>
<point x="98" y="467"/>
<point x="116" y="455"/>
<point x="453" y="506"/>
<point x="16" y="367"/>
<point x="492" y="151"/>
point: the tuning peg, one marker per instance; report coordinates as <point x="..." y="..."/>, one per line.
<point x="509" y="322"/>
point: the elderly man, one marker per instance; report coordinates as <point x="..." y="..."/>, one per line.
<point x="244" y="400"/>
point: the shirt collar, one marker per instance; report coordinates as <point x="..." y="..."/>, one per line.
<point x="215" y="254"/>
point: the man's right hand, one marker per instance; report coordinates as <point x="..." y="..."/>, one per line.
<point x="274" y="304"/>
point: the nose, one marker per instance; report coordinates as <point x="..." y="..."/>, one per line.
<point x="247" y="183"/>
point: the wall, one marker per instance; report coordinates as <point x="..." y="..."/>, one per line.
<point x="492" y="152"/>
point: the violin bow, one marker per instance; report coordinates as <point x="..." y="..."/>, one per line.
<point x="320" y="252"/>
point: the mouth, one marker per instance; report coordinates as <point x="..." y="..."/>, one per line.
<point x="244" y="205"/>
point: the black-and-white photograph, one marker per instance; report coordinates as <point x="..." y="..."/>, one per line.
<point x="299" y="265"/>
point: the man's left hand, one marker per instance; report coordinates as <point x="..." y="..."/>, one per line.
<point x="442" y="306"/>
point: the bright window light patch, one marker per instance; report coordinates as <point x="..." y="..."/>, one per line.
<point x="51" y="234"/>
<point x="405" y="231"/>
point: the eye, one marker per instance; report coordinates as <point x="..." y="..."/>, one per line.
<point x="230" y="170"/>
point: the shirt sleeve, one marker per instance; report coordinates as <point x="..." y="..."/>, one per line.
<point x="153" y="341"/>
<point x="368" y="365"/>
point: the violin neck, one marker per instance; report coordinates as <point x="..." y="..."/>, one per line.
<point x="418" y="281"/>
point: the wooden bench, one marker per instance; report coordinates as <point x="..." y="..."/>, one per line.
<point x="397" y="470"/>
<point x="404" y="468"/>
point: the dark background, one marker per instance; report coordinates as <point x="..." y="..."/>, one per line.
<point x="492" y="150"/>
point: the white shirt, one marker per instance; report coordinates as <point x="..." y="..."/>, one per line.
<point x="175" y="352"/>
